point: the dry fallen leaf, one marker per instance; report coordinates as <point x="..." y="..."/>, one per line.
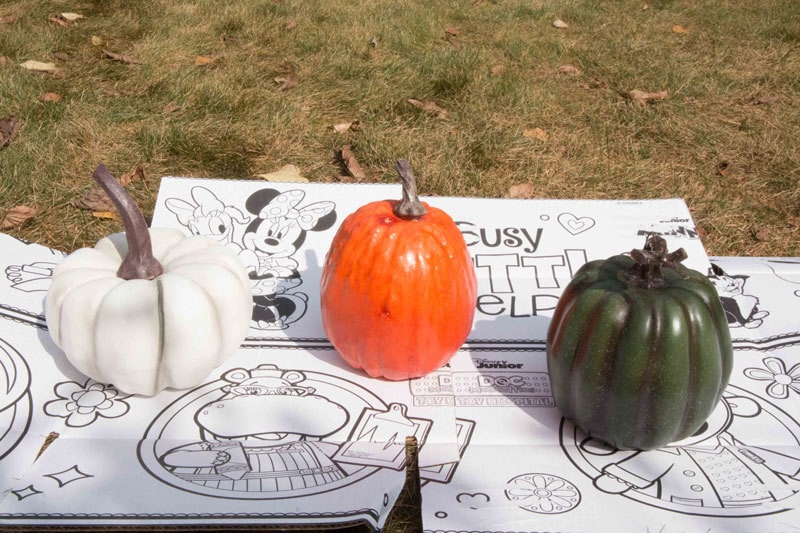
<point x="38" y="66"/>
<point x="429" y="106"/>
<point x="535" y="133"/>
<point x="97" y="41"/>
<point x="120" y="57"/>
<point x="17" y="216"/>
<point x="761" y="234"/>
<point x="290" y="25"/>
<point x="642" y="97"/>
<point x="286" y="82"/>
<point x="9" y="126"/>
<point x="108" y="215"/>
<point x="58" y="20"/>
<point x="570" y="70"/>
<point x="286" y="75"/>
<point x="95" y="199"/>
<point x="49" y="97"/>
<point x="451" y="35"/>
<point x="71" y="17"/>
<point x="645" y="7"/>
<point x="498" y="69"/>
<point x="9" y="19"/>
<point x="61" y="56"/>
<point x="593" y="84"/>
<point x="523" y="190"/>
<point x="201" y="61"/>
<point x="560" y="24"/>
<point x="762" y="99"/>
<point x="287" y="173"/>
<point x="723" y="168"/>
<point x="679" y="29"/>
<point x="171" y="108"/>
<point x="351" y="164"/>
<point x="134" y="174"/>
<point x="344" y="127"/>
<point x="4" y="61"/>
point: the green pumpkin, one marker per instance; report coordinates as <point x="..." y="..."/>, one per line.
<point x="638" y="355"/>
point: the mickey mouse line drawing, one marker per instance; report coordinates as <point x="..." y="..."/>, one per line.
<point x="266" y="241"/>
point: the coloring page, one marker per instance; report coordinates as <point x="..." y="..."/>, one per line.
<point x="284" y="432"/>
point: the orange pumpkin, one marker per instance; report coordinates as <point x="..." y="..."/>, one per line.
<point x="398" y="287"/>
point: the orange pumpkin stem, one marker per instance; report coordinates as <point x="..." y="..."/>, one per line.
<point x="139" y="263"/>
<point x="409" y="208"/>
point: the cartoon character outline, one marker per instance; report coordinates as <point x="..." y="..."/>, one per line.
<point x="265" y="242"/>
<point x="271" y="433"/>
<point x="31" y="277"/>
<point x="741" y="310"/>
<point x="208" y="215"/>
<point x="269" y="244"/>
<point x="16" y="404"/>
<point x="248" y="438"/>
<point x="714" y="472"/>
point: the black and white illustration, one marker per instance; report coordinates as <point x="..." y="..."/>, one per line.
<point x="779" y="381"/>
<point x="25" y="273"/>
<point x="267" y="233"/>
<point x="268" y="433"/>
<point x="575" y="224"/>
<point x="205" y="214"/>
<point x="32" y="277"/>
<point x="15" y="397"/>
<point x="543" y="493"/>
<point x="724" y="470"/>
<point x="776" y="265"/>
<point x="270" y="243"/>
<point x="285" y="434"/>
<point x="741" y="308"/>
<point x="61" y="479"/>
<point x="80" y="404"/>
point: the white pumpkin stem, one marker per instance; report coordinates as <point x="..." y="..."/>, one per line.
<point x="139" y="263"/>
<point x="409" y="208"/>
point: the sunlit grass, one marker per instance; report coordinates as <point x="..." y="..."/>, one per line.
<point x="731" y="69"/>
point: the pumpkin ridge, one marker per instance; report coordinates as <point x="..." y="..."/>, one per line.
<point x="162" y="368"/>
<point x="690" y="411"/>
<point x="582" y="362"/>
<point x="645" y="423"/>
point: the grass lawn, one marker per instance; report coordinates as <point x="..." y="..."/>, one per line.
<point x="235" y="89"/>
<point x="485" y="98"/>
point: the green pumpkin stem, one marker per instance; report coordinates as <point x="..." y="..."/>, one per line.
<point x="139" y="263"/>
<point x="409" y="208"/>
<point x="648" y="262"/>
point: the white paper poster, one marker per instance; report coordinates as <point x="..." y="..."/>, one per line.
<point x="285" y="433"/>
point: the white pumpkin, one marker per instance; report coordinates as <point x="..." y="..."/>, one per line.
<point x="145" y="335"/>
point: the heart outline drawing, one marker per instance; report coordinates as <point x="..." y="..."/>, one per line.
<point x="575" y="225"/>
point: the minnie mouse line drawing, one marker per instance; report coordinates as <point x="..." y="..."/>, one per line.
<point x="265" y="243"/>
<point x="269" y="242"/>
